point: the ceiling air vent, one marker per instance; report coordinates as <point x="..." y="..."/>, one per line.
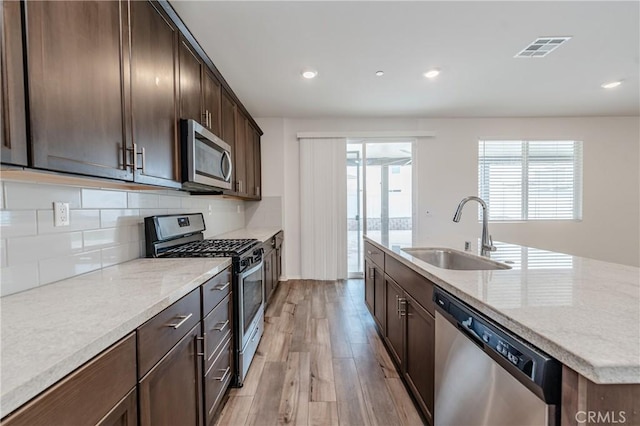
<point x="541" y="47"/>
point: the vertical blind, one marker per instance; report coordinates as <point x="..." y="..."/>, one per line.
<point x="531" y="180"/>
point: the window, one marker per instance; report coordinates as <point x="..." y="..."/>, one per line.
<point x="531" y="180"/>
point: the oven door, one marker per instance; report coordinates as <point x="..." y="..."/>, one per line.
<point x="250" y="287"/>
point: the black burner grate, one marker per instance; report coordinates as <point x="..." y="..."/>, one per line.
<point x="212" y="248"/>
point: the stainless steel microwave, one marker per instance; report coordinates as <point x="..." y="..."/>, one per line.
<point x="206" y="159"/>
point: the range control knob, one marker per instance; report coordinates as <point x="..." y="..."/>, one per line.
<point x="486" y="337"/>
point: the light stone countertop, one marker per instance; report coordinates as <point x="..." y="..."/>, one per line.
<point x="48" y="332"/>
<point x="583" y="312"/>
<point x="262" y="234"/>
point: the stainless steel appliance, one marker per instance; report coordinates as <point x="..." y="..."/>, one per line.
<point x="206" y="159"/>
<point x="182" y="236"/>
<point x="484" y="375"/>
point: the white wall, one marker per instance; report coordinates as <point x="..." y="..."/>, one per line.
<point x="106" y="228"/>
<point x="447" y="171"/>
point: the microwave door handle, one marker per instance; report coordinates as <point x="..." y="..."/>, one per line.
<point x="225" y="154"/>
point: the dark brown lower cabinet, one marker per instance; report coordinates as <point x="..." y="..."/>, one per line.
<point x="270" y="279"/>
<point x="95" y="393"/>
<point x="369" y="285"/>
<point x="125" y="413"/>
<point x="419" y="354"/>
<point x="394" y="329"/>
<point x="171" y="393"/>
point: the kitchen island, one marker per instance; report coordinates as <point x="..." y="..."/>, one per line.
<point x="583" y="312"/>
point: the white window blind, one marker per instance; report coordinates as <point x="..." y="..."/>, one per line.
<point x="531" y="180"/>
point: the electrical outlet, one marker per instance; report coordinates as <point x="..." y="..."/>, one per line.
<point x="60" y="214"/>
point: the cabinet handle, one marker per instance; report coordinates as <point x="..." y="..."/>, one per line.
<point x="183" y="319"/>
<point x="205" y="115"/>
<point x="134" y="153"/>
<point x="224" y="376"/>
<point x="144" y="158"/>
<point x="369" y="252"/>
<point x="239" y="186"/>
<point x="210" y="119"/>
<point x="372" y="273"/>
<point x="221" y="326"/>
<point x="202" y="339"/>
<point x="402" y="303"/>
<point x="221" y="287"/>
<point x="258" y="191"/>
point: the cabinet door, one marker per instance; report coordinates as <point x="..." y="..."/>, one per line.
<point x="393" y="332"/>
<point x="211" y="87"/>
<point x="190" y="84"/>
<point x="13" y="125"/>
<point x="171" y="393"/>
<point x="240" y="158"/>
<point x="76" y="66"/>
<point x="257" y="159"/>
<point x="369" y="284"/>
<point x="274" y="270"/>
<point x="379" y="298"/>
<point x="268" y="275"/>
<point x="420" y="354"/>
<point x="250" y="161"/>
<point x="123" y="414"/>
<point x="228" y="127"/>
<point x="153" y="95"/>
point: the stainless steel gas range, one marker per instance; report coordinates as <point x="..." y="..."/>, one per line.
<point x="182" y="236"/>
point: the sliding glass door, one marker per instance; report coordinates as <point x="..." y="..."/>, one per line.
<point x="379" y="196"/>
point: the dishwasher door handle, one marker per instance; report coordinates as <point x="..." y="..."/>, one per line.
<point x="472" y="335"/>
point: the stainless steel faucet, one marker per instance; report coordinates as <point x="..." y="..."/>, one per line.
<point x="487" y="241"/>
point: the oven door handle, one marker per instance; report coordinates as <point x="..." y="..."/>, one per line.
<point x="251" y="271"/>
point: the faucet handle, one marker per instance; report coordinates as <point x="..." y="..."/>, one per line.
<point x="491" y="246"/>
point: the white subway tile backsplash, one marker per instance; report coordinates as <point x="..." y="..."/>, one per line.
<point x="31" y="249"/>
<point x="59" y="268"/>
<point x="18" y="278"/>
<point x="106" y="228"/>
<point x="142" y="200"/>
<point x="79" y="220"/>
<point x="102" y="199"/>
<point x="3" y="253"/>
<point x="38" y="196"/>
<point x="101" y="238"/>
<point x="17" y="223"/>
<point x="119" y="254"/>
<point x="166" y="201"/>
<point x="113" y="218"/>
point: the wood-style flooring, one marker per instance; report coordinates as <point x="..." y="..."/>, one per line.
<point x="320" y="362"/>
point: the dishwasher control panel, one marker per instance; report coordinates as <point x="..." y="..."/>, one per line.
<point x="536" y="366"/>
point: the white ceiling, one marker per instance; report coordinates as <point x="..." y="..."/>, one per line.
<point x="261" y="46"/>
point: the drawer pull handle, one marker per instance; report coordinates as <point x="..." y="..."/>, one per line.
<point x="255" y="333"/>
<point x="202" y="339"/>
<point x="369" y="252"/>
<point x="222" y="287"/>
<point x="221" y="326"/>
<point x="183" y="319"/>
<point x="224" y="376"/>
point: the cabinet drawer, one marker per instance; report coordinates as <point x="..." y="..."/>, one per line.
<point x="162" y="332"/>
<point x="420" y="288"/>
<point x="214" y="290"/>
<point x="217" y="326"/>
<point x="374" y="253"/>
<point x="217" y="380"/>
<point x="87" y="394"/>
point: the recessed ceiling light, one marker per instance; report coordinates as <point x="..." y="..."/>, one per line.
<point x="379" y="73"/>
<point x="432" y="73"/>
<point x="307" y="73"/>
<point x="611" y="85"/>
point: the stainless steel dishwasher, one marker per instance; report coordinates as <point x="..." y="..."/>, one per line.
<point x="484" y="375"/>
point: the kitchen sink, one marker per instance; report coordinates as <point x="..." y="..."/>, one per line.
<point x="453" y="259"/>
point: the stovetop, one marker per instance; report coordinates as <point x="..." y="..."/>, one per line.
<point x="212" y="248"/>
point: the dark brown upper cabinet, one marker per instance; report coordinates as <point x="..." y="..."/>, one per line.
<point x="211" y="100"/>
<point x="13" y="134"/>
<point x="190" y="83"/>
<point x="76" y="86"/>
<point x="228" y="127"/>
<point x="240" y="154"/>
<point x="199" y="90"/>
<point x="154" y="50"/>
